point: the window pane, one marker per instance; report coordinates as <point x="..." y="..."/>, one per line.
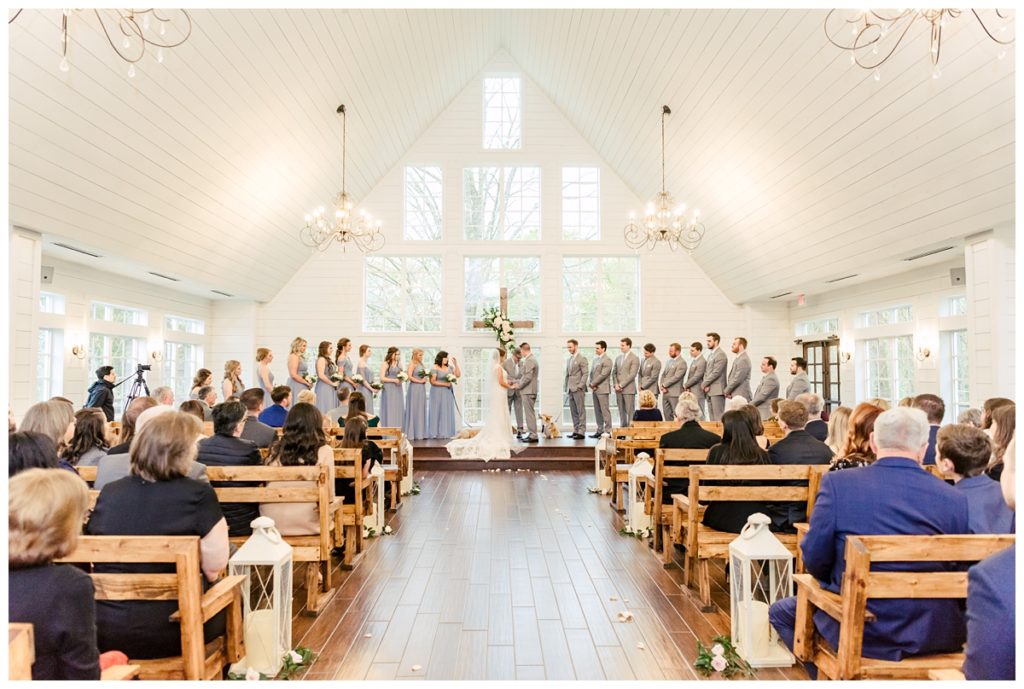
<point x="600" y="293"/>
<point x="181" y="361"/>
<point x="888" y="367"/>
<point x="502" y="112"/>
<point x="124" y="354"/>
<point x="403" y="294"/>
<point x="49" y="364"/>
<point x="475" y="364"/>
<point x="181" y="324"/>
<point x="581" y="203"/>
<point x="423" y="199"/>
<point x="886" y="316"/>
<point x="486" y="275"/>
<point x="501" y="203"/>
<point x="51" y="303"/>
<point x="118" y="314"/>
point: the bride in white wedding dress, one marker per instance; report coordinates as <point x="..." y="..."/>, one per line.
<point x="494" y="441"/>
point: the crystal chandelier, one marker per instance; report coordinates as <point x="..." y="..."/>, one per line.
<point x="347" y="225"/>
<point x="872" y="36"/>
<point x="663" y="221"/>
<point x="129" y="32"/>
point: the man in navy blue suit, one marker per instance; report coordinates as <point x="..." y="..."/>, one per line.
<point x="962" y="453"/>
<point x="934" y="408"/>
<point x="893" y="496"/>
<point x="991" y="602"/>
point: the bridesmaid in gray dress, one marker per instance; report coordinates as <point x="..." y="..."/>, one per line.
<point x="415" y="424"/>
<point x="392" y="405"/>
<point x="344" y="363"/>
<point x="363" y="369"/>
<point x="441" y="419"/>
<point x="297" y="368"/>
<point x="264" y="376"/>
<point x="326" y="389"/>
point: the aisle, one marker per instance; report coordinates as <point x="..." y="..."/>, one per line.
<point x="508" y="576"/>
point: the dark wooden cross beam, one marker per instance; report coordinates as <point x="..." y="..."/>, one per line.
<point x="503" y="309"/>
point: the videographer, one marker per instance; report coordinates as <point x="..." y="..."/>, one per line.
<point x="101" y="394"/>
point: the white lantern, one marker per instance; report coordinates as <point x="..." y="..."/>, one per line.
<point x="636" y="518"/>
<point x="760" y="573"/>
<point x="376" y="520"/>
<point x="605" y="447"/>
<point x="265" y="560"/>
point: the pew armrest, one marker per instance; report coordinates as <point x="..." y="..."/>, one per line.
<point x="826" y="601"/>
<point x="116" y="673"/>
<point x="221" y="595"/>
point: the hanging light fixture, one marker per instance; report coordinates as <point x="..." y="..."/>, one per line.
<point x="663" y="220"/>
<point x="129" y="32"/>
<point x="872" y="36"/>
<point x="346" y="225"/>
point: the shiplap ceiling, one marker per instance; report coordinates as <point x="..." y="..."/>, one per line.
<point x="804" y="167"/>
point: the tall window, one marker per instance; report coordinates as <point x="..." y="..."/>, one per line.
<point x="181" y="361"/>
<point x="486" y="275"/>
<point x="475" y="383"/>
<point x="600" y="293"/>
<point x="503" y="106"/>
<point x="954" y="306"/>
<point x="123" y="353"/>
<point x="955" y="388"/>
<point x="581" y="203"/>
<point x="403" y="294"/>
<point x="888" y="367"/>
<point x="423" y="198"/>
<point x="180" y="324"/>
<point x="51" y="303"/>
<point x="887" y="316"/>
<point x="501" y="203"/>
<point x="50" y="364"/>
<point x="101" y="311"/>
<point x="820" y="326"/>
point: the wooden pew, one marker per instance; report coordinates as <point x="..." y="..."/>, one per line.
<point x="198" y="661"/>
<point x="669" y="463"/>
<point x="21" y="654"/>
<point x="627" y="441"/>
<point x="703" y="542"/>
<point x="860" y="585"/>
<point x="315" y="550"/>
<point x="348" y="519"/>
<point x="391" y="441"/>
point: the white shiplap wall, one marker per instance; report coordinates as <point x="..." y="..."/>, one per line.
<point x="990" y="263"/>
<point x="678" y="302"/>
<point x="23" y="286"/>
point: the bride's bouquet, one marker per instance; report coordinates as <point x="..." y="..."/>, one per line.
<point x="403" y="376"/>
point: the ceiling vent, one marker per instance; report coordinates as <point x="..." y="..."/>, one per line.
<point x="928" y="253"/>
<point x="81" y="251"/>
<point x="165" y="277"/>
<point x="845" y="277"/>
<point x="223" y="294"/>
<point x="784" y="294"/>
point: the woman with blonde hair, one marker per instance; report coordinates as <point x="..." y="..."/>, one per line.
<point x="232" y="385"/>
<point x="45" y="509"/>
<point x="53" y="419"/>
<point x="203" y="378"/>
<point x="298" y="368"/>
<point x="882" y="404"/>
<point x="838" y="426"/>
<point x="414" y="424"/>
<point x="264" y="376"/>
<point x="648" y="407"/>
<point x="392" y="404"/>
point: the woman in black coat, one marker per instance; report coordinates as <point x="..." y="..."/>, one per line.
<point x="739" y="446"/>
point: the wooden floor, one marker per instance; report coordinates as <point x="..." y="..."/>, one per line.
<point x="509" y="575"/>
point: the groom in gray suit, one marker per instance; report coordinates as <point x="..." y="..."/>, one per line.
<point x="767" y="389"/>
<point x="527" y="385"/>
<point x="600" y="385"/>
<point x="575" y="387"/>
<point x="694" y="382"/>
<point x="671" y="386"/>
<point x="624" y="374"/>
<point x="714" y="378"/>
<point x="739" y="375"/>
<point x="515" y="400"/>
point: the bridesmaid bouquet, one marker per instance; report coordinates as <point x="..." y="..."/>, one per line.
<point x="310" y="378"/>
<point x="451" y="378"/>
<point x="402" y="376"/>
<point x="357" y="379"/>
<point x="337" y="377"/>
<point x="423" y="373"/>
<point x="377" y="385"/>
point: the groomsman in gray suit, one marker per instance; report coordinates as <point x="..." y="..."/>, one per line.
<point x="799" y="385"/>
<point x="714" y="378"/>
<point x="767" y="389"/>
<point x="738" y="382"/>
<point x="672" y="381"/>
<point x="601" y="387"/>
<point x="624" y="374"/>
<point x="650" y="370"/>
<point x="515" y="400"/>
<point x="528" y="371"/>
<point x="694" y="382"/>
<point x="576" y="387"/>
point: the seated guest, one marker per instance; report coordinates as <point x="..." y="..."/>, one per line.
<point x="906" y="402"/>
<point x="357" y="408"/>
<point x="689" y="436"/>
<point x="338" y="414"/>
<point x="260" y="433"/>
<point x="798" y="447"/>
<point x="856" y="449"/>
<point x="735" y="402"/>
<point x="306" y="397"/>
<point x="202" y="379"/>
<point x="989" y="406"/>
<point x="44" y="515"/>
<point x="128" y="419"/>
<point x="302" y="443"/>
<point x="755" y="424"/>
<point x="892" y="496"/>
<point x="355" y="436"/>
<point x="1003" y="424"/>
<point x="89" y="443"/>
<point x="885" y="405"/>
<point x="991" y="602"/>
<point x="934" y="408"/>
<point x="164" y="395"/>
<point x="193" y="407"/>
<point x="53" y="419"/>
<point x="774" y="406"/>
<point x="274" y="415"/>
<point x="207" y="398"/>
<point x="737" y="447"/>
<point x="115" y="467"/>
<point x="838" y="426"/>
<point x="225" y="448"/>
<point x="970" y="417"/>
<point x="30" y="450"/>
<point x="158" y="499"/>
<point x="816" y="428"/>
<point x="647" y="410"/>
<point x="963" y="453"/>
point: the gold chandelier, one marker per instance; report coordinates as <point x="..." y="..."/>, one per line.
<point x="346" y="226"/>
<point x="663" y="220"/>
<point x="872" y="36"/>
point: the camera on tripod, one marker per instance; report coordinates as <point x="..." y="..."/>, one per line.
<point x="144" y="367"/>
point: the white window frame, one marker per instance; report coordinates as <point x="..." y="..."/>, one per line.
<point x="406" y="198"/>
<point x="862" y="316"/>
<point x="51" y="302"/>
<point x="502" y="201"/>
<point x="409" y="303"/>
<point x="50" y="362"/>
<point x="140" y="316"/>
<point x="184" y="386"/>
<point x="578" y="201"/>
<point x="126" y="368"/>
<point x="196" y="325"/>
<point x="467" y="319"/>
<point x="483" y="112"/>
<point x="946" y="304"/>
<point x="863" y="368"/>
<point x="949" y="381"/>
<point x="817" y="326"/>
<point x="598" y="285"/>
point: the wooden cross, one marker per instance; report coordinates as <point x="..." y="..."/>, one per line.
<point x="503" y="310"/>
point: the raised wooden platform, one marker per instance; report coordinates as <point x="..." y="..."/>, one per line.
<point x="560" y="453"/>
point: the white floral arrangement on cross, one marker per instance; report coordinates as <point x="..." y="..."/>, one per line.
<point x="501" y="326"/>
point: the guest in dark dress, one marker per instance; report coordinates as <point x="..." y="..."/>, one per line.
<point x="158" y="499"/>
<point x="738" y="447"/>
<point x="89" y="443"/>
<point x="856" y="447"/>
<point x="755" y="423"/>
<point x="355" y="436"/>
<point x="962" y="454"/>
<point x="648" y="410"/>
<point x="689" y="436"/>
<point x="225" y="448"/>
<point x="30" y="450"/>
<point x="45" y="512"/>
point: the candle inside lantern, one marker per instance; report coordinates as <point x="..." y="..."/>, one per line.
<point x="757" y="616"/>
<point x="260" y="644"/>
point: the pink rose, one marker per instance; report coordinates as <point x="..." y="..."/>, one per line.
<point x="718" y="662"/>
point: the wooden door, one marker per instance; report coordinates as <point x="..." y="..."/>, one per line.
<point x="823" y="369"/>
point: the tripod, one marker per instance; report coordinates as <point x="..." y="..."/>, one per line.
<point x="136" y="390"/>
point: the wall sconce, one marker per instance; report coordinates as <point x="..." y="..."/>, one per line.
<point x="923" y="353"/>
<point x="156" y="355"/>
<point x="78" y="351"/>
<point x="844" y="357"/>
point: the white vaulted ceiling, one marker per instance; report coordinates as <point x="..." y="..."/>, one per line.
<point x="804" y="168"/>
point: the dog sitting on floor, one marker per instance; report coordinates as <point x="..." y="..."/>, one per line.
<point x="550" y="427"/>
